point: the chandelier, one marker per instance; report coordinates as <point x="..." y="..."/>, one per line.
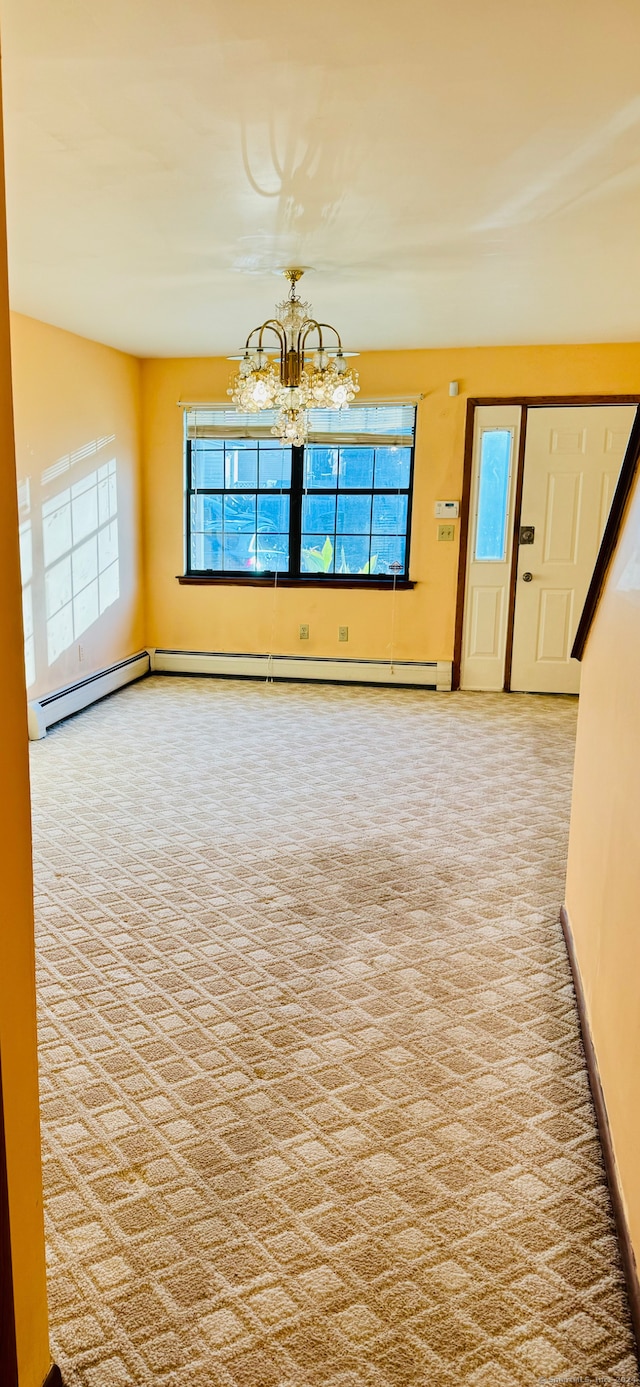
<point x="310" y="375"/>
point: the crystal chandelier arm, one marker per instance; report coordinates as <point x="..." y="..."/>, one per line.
<point x="276" y="328"/>
<point x="310" y="326"/>
<point x="330" y="328"/>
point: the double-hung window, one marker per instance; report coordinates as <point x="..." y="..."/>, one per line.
<point x="338" y="508"/>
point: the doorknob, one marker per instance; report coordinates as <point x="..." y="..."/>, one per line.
<point x="527" y="577"/>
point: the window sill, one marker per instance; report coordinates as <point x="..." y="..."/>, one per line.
<point x="283" y="581"/>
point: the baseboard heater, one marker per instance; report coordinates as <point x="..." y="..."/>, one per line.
<point x="431" y="674"/>
<point x="44" y="712"/>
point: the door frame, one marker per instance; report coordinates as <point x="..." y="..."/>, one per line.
<point x="525" y="402"/>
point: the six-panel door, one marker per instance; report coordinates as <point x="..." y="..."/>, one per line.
<point x="573" y="457"/>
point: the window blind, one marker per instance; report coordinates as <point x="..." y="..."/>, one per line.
<point x="383" y="426"/>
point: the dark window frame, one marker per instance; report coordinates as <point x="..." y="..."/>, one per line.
<point x="296" y="492"/>
<point x="236" y="491"/>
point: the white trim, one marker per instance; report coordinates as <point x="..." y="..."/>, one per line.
<point x="51" y="708"/>
<point x="432" y="674"/>
<point x="487" y="581"/>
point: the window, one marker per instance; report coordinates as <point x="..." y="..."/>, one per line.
<point x="338" y="508"/>
<point x="240" y="505"/>
<point x="496" y="448"/>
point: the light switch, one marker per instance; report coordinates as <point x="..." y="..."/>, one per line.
<point x="446" y="532"/>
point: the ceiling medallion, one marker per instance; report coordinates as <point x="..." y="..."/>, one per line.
<point x="309" y="376"/>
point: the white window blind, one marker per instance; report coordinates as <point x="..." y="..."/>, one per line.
<point x="377" y="425"/>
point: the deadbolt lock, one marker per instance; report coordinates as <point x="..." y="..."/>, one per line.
<point x="527" y="577"/>
<point x="527" y="534"/>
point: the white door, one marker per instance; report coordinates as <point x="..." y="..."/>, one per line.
<point x="572" y="459"/>
<point x="486" y="606"/>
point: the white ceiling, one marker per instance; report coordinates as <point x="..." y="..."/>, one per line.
<point x="455" y="172"/>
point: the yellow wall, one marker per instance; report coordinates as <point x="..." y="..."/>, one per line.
<point x="603" y="879"/>
<point x="17" y="979"/>
<point x="76" y="411"/>
<point x="252" y="620"/>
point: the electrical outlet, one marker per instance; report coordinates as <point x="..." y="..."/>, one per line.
<point x="343" y="633"/>
<point x="80" y="653"/>
<point x="446" y="532"/>
<point x="304" y="633"/>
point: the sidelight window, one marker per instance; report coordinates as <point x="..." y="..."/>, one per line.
<point x="496" y="451"/>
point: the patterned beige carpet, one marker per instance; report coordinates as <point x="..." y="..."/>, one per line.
<point x="315" y="1108"/>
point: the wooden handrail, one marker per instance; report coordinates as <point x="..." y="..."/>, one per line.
<point x="609" y="539"/>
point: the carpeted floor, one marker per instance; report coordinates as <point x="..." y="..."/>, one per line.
<point x="315" y="1108"/>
